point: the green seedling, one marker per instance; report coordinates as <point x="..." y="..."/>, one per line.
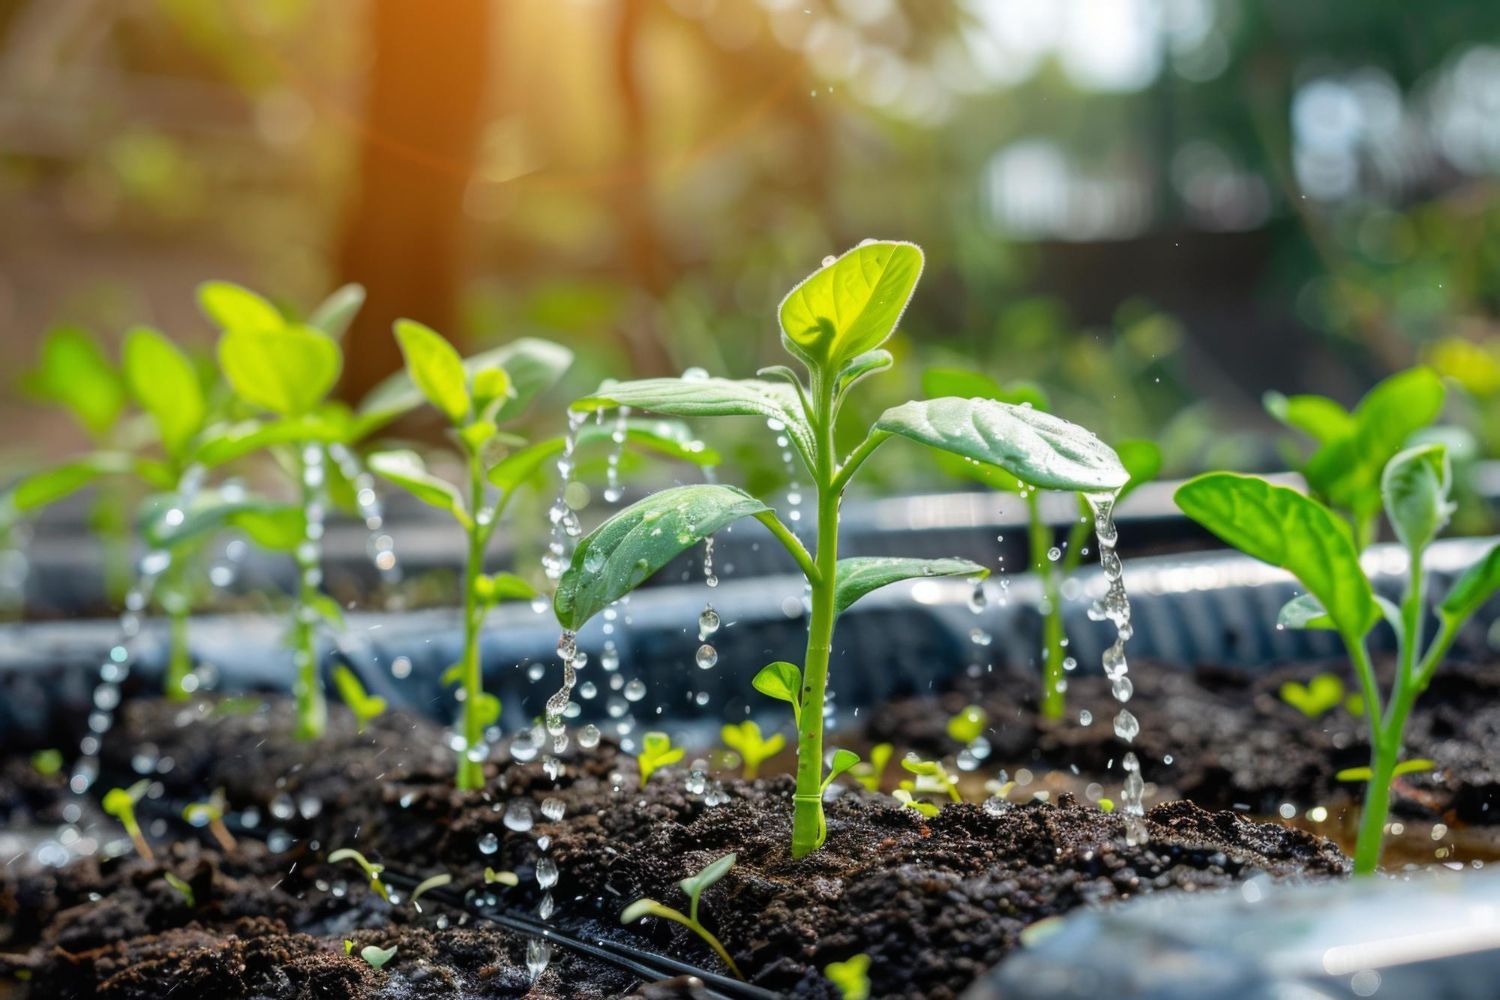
<point x="1053" y="565"/>
<point x="182" y="887"/>
<point x="1415" y="766"/>
<point x="1354" y="446"/>
<point x="834" y="324"/>
<point x="120" y="803"/>
<point x="1285" y="528"/>
<point x="372" y="871"/>
<point x="477" y="396"/>
<point x="656" y="753"/>
<point x="929" y="777"/>
<point x="492" y="877"/>
<point x="745" y="739"/>
<point x="1320" y="694"/>
<point x="851" y="977"/>
<point x="693" y="886"/>
<point x="870" y="773"/>
<point x="968" y="725"/>
<point x="910" y="801"/>
<point x="47" y="763"/>
<point x="427" y="885"/>
<point x="377" y="957"/>
<point x="365" y="706"/>
<point x="210" y="813"/>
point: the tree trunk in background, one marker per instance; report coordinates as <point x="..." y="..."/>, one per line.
<point x="404" y="235"/>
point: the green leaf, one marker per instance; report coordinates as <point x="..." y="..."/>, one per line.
<point x="850" y="977"/>
<point x="842" y="761"/>
<point x="41" y="489"/>
<point x="407" y="470"/>
<point x="223" y="443"/>
<point x="1304" y="612"/>
<point x="622" y="552"/>
<point x="850" y="305"/>
<point x="694" y="885"/>
<point x="1142" y="460"/>
<point x="1036" y="447"/>
<point x="1319" y="695"/>
<point x="232" y="307"/>
<point x="364" y="705"/>
<point x="968" y="725"/>
<point x="74" y="372"/>
<point x="1473" y="588"/>
<point x="167" y="522"/>
<point x="859" y="368"/>
<point x="377" y="957"/>
<point x="1405" y="767"/>
<point x="287" y="370"/>
<point x="1415" y="487"/>
<point x="278" y="527"/>
<point x="327" y="609"/>
<point x="435" y="368"/>
<point x="336" y="312"/>
<point x="505" y="587"/>
<point x="858" y="576"/>
<point x="783" y="681"/>
<point x="165" y="382"/>
<point x="1318" y="416"/>
<point x="491" y="385"/>
<point x="533" y="366"/>
<point x="1280" y="526"/>
<point x="709" y="397"/>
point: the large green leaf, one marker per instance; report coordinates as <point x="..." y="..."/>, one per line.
<point x="287" y="369"/>
<point x="858" y="576"/>
<point x="668" y="438"/>
<point x="165" y="382"/>
<point x="1415" y="486"/>
<point x="1280" y="526"/>
<point x="709" y="397"/>
<point x="533" y="365"/>
<point x="435" y="368"/>
<point x="850" y="305"/>
<point x="221" y="443"/>
<point x="73" y="371"/>
<point x="335" y="313"/>
<point x="1036" y="447"/>
<point x="1473" y="588"/>
<point x="407" y="470"/>
<point x="622" y="552"/>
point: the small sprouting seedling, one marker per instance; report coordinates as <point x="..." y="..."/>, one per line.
<point x="851" y="977"/>
<point x="182" y="887"/>
<point x="1414" y="766"/>
<point x="1107" y="805"/>
<point x="429" y="884"/>
<point x="365" y="706"/>
<point x="871" y="772"/>
<point x="968" y="725"/>
<point x="1053" y="565"/>
<point x="833" y="323"/>
<point x="1320" y="694"/>
<point x="210" y="813"/>
<point x="929" y="777"/>
<point x="910" y="801"/>
<point x="348" y="946"/>
<point x="1281" y="526"/>
<point x="372" y="871"/>
<point x="745" y="739"/>
<point x="656" y="753"/>
<point x="48" y="763"/>
<point x="376" y="957"/>
<point x="1354" y="446"/>
<point x="693" y="886"/>
<point x="120" y="803"/>
<point x="492" y="877"/>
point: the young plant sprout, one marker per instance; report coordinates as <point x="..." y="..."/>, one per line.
<point x="1285" y="528"/>
<point x="693" y="886"/>
<point x="968" y="725"/>
<point x="427" y="885"/>
<point x="910" y="801"/>
<point x="376" y="957"/>
<point x="656" y="753"/>
<point x="746" y="740"/>
<point x="851" y="977"/>
<point x="120" y="803"/>
<point x="834" y="324"/>
<point x="492" y="877"/>
<point x="870" y="773"/>
<point x="1354" y="446"/>
<point x="364" y="705"/>
<point x="1321" y="694"/>
<point x="47" y="762"/>
<point x="210" y="813"/>
<point x="182" y="887"/>
<point x="929" y="777"/>
<point x="372" y="871"/>
<point x="1053" y="565"/>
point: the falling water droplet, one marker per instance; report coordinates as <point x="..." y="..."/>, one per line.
<point x="707" y="657"/>
<point x="708" y="622"/>
<point x="488" y="844"/>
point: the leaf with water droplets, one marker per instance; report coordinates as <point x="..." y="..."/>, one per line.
<point x="640" y="540"/>
<point x="1280" y="526"/>
<point x="860" y="575"/>
<point x="1036" y="447"/>
<point x="850" y="305"/>
<point x="406" y="470"/>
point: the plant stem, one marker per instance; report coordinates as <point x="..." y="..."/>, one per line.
<point x="312" y="709"/>
<point x="179" y="657"/>
<point x="471" y="772"/>
<point x="1372" y="816"/>
<point x="808" y="828"/>
<point x="1053" y="701"/>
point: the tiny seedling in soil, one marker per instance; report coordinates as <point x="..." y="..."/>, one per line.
<point x="365" y="706"/>
<point x="182" y="887"/>
<point x="376" y="957"/>
<point x="372" y="871"/>
<point x="693" y="886"/>
<point x="870" y="773"/>
<point x="656" y="753"/>
<point x="929" y="777"/>
<point x="746" y="740"/>
<point x="210" y="813"/>
<point x="968" y="725"/>
<point x="120" y="803"/>
<point x="1285" y="528"/>
<point x="492" y="877"/>
<point x="834" y="324"/>
<point x="427" y="885"/>
<point x="851" y="977"/>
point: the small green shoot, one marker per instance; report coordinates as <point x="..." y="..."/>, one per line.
<point x="120" y="803"/>
<point x="348" y="946"/>
<point x="429" y="884"/>
<point x="210" y="813"/>
<point x="1282" y="527"/>
<point x="746" y="740"/>
<point x="182" y="887"/>
<point x="851" y="977"/>
<point x="871" y="773"/>
<point x="783" y="681"/>
<point x="930" y="778"/>
<point x="47" y="763"/>
<point x="372" y="871"/>
<point x="1107" y="805"/>
<point x="656" y="753"/>
<point x="1320" y="694"/>
<point x="910" y="801"/>
<point x="492" y="877"/>
<point x="377" y="957"/>
<point x="968" y="725"/>
<point x="693" y="886"/>
<point x="365" y="707"/>
<point x="1415" y="766"/>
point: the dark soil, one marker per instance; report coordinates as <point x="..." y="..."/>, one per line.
<point x="1233" y="742"/>
<point x="934" y="902"/>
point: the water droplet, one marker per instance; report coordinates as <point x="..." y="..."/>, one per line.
<point x="593" y="560"/>
<point x="538" y="954"/>
<point x="1127" y="726"/>
<point x="488" y="843"/>
<point x="518" y="816"/>
<point x="828" y="261"/>
<point x="553" y="808"/>
<point x="1085" y="717"/>
<point x="707" y="657"/>
<point x="1054" y="554"/>
<point x="635" y="690"/>
<point x="708" y="622"/>
<point x="546" y="872"/>
<point x="588" y="736"/>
